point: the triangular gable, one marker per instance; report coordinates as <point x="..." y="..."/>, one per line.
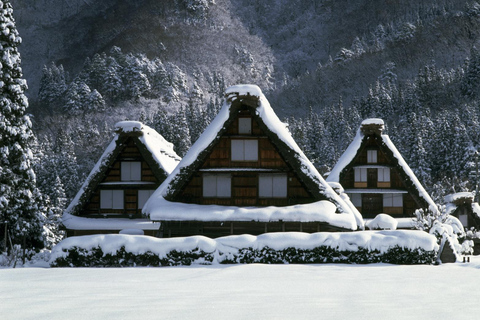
<point x="278" y="135"/>
<point x="155" y="150"/>
<point x="387" y="147"/>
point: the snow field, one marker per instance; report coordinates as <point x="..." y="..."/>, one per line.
<point x="253" y="291"/>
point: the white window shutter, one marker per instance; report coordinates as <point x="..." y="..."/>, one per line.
<point x="397" y="200"/>
<point x="105" y="199"/>
<point x="371" y="156"/>
<point x="143" y="196"/>
<point x="356" y="199"/>
<point x="224" y="186"/>
<point x="251" y="150"/>
<point x="244" y="125"/>
<point x="125" y="170"/>
<point x="388" y="200"/>
<point x="237" y="150"/>
<point x="209" y="185"/>
<point x="280" y="186"/>
<point x="117" y="199"/>
<point x="265" y="188"/>
<point x="136" y="171"/>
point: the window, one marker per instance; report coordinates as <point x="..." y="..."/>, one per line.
<point x="384" y="175"/>
<point x="360" y="174"/>
<point x="217" y="185"/>
<point x="244" y="125"/>
<point x="111" y="199"/>
<point x="244" y="150"/>
<point x="272" y="185"/>
<point x="143" y="196"/>
<point x="356" y="199"/>
<point x="131" y="171"/>
<point x="393" y="200"/>
<point x="371" y="156"/>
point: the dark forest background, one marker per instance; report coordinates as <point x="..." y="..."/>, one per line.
<point x="324" y="66"/>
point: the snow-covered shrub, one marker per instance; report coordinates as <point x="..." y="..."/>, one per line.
<point x="382" y="222"/>
<point x="96" y="257"/>
<point x="445" y="228"/>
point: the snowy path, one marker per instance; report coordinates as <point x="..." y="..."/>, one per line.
<point x="243" y="292"/>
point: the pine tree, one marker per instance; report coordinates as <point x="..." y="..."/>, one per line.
<point x="19" y="206"/>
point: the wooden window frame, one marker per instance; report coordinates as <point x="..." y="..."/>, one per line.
<point x="245" y="125"/>
<point x="131" y="170"/>
<point x="268" y="185"/>
<point x="244" y="149"/>
<point x="360" y="178"/>
<point x="372" y="156"/>
<point x="107" y="199"/>
<point x="393" y="200"/>
<point x="221" y="184"/>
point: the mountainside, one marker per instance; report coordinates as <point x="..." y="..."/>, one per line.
<point x="324" y="65"/>
<point x="291" y="38"/>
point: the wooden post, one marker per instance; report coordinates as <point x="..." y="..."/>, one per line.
<point x="6" y="236"/>
<point x="24" y="245"/>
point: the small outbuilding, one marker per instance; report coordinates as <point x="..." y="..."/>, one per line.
<point x="462" y="206"/>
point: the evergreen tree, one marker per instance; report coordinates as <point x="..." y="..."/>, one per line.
<point x="19" y="197"/>
<point x="471" y="80"/>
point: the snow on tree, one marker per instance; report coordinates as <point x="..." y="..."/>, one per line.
<point x="19" y="196"/>
<point x="52" y="86"/>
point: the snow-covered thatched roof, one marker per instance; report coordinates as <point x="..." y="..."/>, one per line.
<point x="375" y="126"/>
<point x="329" y="207"/>
<point x="156" y="151"/>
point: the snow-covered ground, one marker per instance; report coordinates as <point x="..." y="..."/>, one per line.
<point x="331" y="291"/>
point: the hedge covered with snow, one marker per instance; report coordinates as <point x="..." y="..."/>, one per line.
<point x="397" y="247"/>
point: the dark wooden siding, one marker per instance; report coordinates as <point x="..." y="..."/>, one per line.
<point x="129" y="152"/>
<point x="244" y="183"/>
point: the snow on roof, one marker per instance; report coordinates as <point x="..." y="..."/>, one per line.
<point x="421" y="191"/>
<point x="457" y="196"/>
<point x="161" y="150"/>
<point x="273" y="123"/>
<point x="381" y="241"/>
<point x="346" y="158"/>
<point x="244" y="90"/>
<point x="341" y="192"/>
<point x="81" y="223"/>
<point x="321" y="211"/>
<point x="476" y="209"/>
<point x="129" y="126"/>
<point x="373" y="121"/>
<point x="352" y="150"/>
<point x="96" y="170"/>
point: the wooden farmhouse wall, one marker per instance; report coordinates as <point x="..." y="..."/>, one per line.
<point x="245" y="164"/>
<point x="126" y="185"/>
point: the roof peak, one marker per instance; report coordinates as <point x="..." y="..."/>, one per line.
<point x="372" y="126"/>
<point x="129" y="126"/>
<point x="248" y="94"/>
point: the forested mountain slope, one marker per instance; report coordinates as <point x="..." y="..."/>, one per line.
<point x="323" y="65"/>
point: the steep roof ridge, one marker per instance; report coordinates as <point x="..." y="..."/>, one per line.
<point x="406" y="168"/>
